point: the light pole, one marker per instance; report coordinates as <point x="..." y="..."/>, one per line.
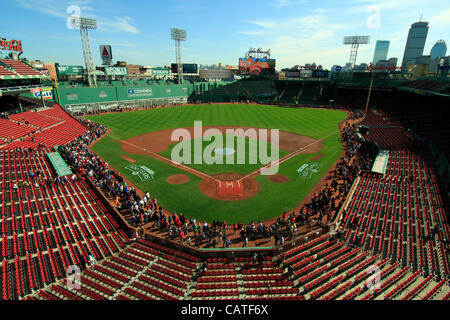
<point x="178" y="35"/>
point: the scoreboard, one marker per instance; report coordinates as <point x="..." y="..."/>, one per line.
<point x="256" y="66"/>
<point x="187" y="68"/>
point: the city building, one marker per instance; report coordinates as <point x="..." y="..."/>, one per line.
<point x="133" y="69"/>
<point x="381" y="51"/>
<point x="415" y="43"/>
<point x="439" y="50"/>
<point x="393" y="61"/>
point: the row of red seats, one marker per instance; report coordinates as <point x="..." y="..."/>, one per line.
<point x="125" y="263"/>
<point x="137" y="294"/>
<point x="326" y="287"/>
<point x="216" y="293"/>
<point x="13" y="130"/>
<point x="174" y="266"/>
<point x="111" y="273"/>
<point x="434" y="290"/>
<point x="133" y="259"/>
<point x="317" y="282"/>
<point x="161" y="285"/>
<point x="217" y="279"/>
<point x="275" y="291"/>
<point x="304" y="246"/>
<point x="286" y="283"/>
<point x="167" y="279"/>
<point x="153" y="291"/>
<point x="119" y="268"/>
<point x="272" y="277"/>
<point x="218" y="272"/>
<point x="262" y="271"/>
<point x="141" y="254"/>
<point x="35" y="118"/>
<point x="170" y="272"/>
<point x="103" y="279"/>
<point x="170" y="251"/>
<point x="218" y="286"/>
<point x="402" y="285"/>
<point x="96" y="286"/>
<point x="71" y="295"/>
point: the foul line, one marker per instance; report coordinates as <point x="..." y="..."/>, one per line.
<point x="285" y="158"/>
<point x="204" y="175"/>
<point x="175" y="164"/>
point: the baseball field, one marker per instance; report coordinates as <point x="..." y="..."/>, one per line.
<point x="232" y="187"/>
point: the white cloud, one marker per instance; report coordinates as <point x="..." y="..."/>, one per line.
<point x="300" y="40"/>
<point x="442" y="19"/>
<point x="124" y="24"/>
<point x="58" y="9"/>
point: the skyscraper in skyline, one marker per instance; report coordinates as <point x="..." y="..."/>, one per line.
<point x="415" y="43"/>
<point x="439" y="50"/>
<point x="381" y="51"/>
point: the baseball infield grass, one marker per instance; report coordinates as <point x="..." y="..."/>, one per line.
<point x="228" y="163"/>
<point x="272" y="199"/>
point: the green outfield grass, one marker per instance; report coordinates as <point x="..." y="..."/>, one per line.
<point x="233" y="165"/>
<point x="272" y="199"/>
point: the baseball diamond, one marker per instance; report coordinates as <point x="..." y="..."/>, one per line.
<point x="303" y="134"/>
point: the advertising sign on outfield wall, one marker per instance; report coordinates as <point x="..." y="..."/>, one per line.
<point x="116" y="71"/>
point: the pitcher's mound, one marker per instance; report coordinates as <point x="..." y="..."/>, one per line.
<point x="178" y="179"/>
<point x="278" y="178"/>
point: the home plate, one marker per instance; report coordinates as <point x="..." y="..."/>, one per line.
<point x="230" y="187"/>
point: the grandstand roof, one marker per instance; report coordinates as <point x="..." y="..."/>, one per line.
<point x="14" y="69"/>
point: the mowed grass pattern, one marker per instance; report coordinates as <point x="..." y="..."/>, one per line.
<point x="243" y="161"/>
<point x="272" y="198"/>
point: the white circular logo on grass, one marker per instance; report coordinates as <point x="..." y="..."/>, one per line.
<point x="224" y="151"/>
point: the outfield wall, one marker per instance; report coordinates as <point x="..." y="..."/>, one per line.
<point x="82" y="99"/>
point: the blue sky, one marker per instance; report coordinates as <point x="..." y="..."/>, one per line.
<point x="296" y="31"/>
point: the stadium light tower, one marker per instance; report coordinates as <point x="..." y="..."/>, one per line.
<point x="84" y="24"/>
<point x="178" y="35"/>
<point x="355" y="41"/>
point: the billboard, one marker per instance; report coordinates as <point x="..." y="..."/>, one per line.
<point x="320" y="74"/>
<point x="306" y="73"/>
<point x="106" y="54"/>
<point x="47" y="93"/>
<point x="216" y="74"/>
<point x="139" y="93"/>
<point x="12" y="45"/>
<point x="160" y="72"/>
<point x="69" y="70"/>
<point x="116" y="71"/>
<point x="256" y="66"/>
<point x="292" y="74"/>
<point x="187" y="68"/>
